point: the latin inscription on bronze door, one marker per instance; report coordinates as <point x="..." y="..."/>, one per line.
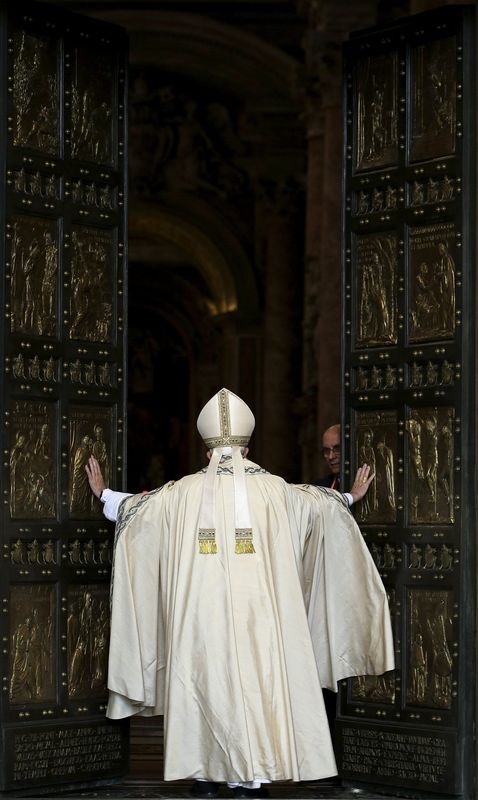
<point x="409" y="371"/>
<point x="62" y="220"/>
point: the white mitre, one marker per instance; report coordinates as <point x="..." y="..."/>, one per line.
<point x="226" y="421"/>
<point x="225" y="424"/>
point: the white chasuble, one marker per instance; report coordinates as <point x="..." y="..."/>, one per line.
<point x="233" y="648"/>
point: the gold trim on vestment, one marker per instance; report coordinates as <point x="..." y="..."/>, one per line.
<point x="244" y="541"/>
<point x="207" y="541"/>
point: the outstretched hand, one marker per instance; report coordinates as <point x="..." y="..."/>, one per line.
<point x="362" y="481"/>
<point x="95" y="477"/>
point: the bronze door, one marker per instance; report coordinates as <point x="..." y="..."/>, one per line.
<point x="63" y="176"/>
<point x="408" y="331"/>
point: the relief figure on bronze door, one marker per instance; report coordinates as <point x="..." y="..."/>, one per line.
<point x="32" y="468"/>
<point x="430" y="658"/>
<point x="376" y="140"/>
<point x="430" y="472"/>
<point x="432" y="283"/>
<point x="87" y="640"/>
<point x="374" y="688"/>
<point x="376" y="270"/>
<point x="34" y="268"/>
<point x="32" y="674"/>
<point x="91" y="111"/>
<point x="35" y="93"/>
<point x="376" y="445"/>
<point x="91" y="282"/>
<point x="90" y="435"/>
<point x="433" y="90"/>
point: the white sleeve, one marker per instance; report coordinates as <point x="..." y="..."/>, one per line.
<point x="112" y="501"/>
<point x="349" y="498"/>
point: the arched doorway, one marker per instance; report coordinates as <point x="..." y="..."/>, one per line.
<point x="186" y="334"/>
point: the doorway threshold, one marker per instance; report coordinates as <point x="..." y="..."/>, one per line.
<point x="328" y="789"/>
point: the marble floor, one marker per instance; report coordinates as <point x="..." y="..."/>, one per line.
<point x="179" y="790"/>
<point x="307" y="791"/>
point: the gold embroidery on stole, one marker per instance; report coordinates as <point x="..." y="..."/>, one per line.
<point x="244" y="541"/>
<point x="207" y="541"/>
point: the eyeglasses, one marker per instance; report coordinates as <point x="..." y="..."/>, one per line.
<point x="334" y="451"/>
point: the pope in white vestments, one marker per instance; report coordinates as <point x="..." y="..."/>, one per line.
<point x="235" y="598"/>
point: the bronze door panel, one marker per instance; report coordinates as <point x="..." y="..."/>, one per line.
<point x="35" y="93"/>
<point x="33" y="471"/>
<point x="433" y="112"/>
<point x="63" y="293"/>
<point x="432" y="282"/>
<point x="376" y="275"/>
<point x="33" y="676"/>
<point x="90" y="434"/>
<point x="408" y="332"/>
<point x="376" y="98"/>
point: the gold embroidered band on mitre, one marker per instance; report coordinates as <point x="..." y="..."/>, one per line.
<point x="226" y="441"/>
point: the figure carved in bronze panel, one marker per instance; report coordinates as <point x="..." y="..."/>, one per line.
<point x="386" y="556"/>
<point x="90" y="552"/>
<point x="427" y="557"/>
<point x="98" y="195"/>
<point x="376" y="95"/>
<point x="374" y="688"/>
<point x="87" y="640"/>
<point x="35" y="93"/>
<point x="45" y="371"/>
<point x="376" y="269"/>
<point x="34" y="265"/>
<point x="376" y="445"/>
<point x="32" y="677"/>
<point x="432" y="373"/>
<point x="23" y="551"/>
<point x="433" y="112"/>
<point x="430" y="620"/>
<point x="33" y="468"/>
<point x="91" y="284"/>
<point x="36" y="184"/>
<point x="375" y="200"/>
<point x="430" y="475"/>
<point x="435" y="190"/>
<point x="375" y="378"/>
<point x="432" y="282"/>
<point x="91" y="106"/>
<point x="90" y="434"/>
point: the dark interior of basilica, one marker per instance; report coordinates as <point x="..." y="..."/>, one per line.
<point x="234" y="221"/>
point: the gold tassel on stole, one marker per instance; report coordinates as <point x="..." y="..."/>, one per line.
<point x="207" y="541"/>
<point x="244" y="541"/>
